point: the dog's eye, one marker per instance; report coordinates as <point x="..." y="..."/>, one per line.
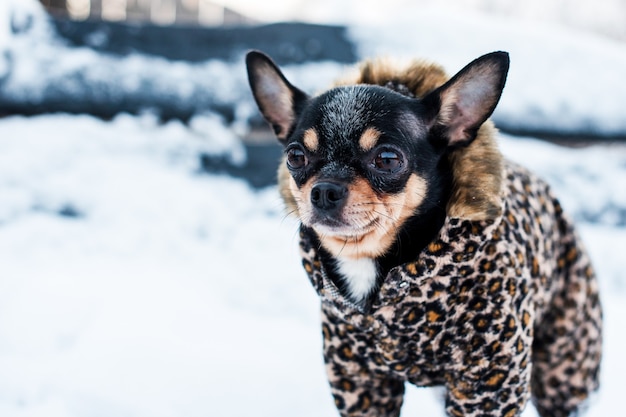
<point x="296" y="158"/>
<point x="387" y="161"/>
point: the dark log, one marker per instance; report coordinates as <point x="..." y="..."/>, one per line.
<point x="287" y="43"/>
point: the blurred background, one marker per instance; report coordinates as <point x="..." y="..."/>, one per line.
<point x="606" y="17"/>
<point x="546" y="37"/>
<point x="147" y="268"/>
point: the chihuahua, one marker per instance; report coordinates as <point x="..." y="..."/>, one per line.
<point x="368" y="166"/>
<point x="438" y="262"/>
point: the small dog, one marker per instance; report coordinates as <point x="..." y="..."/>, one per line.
<point x="438" y="262"/>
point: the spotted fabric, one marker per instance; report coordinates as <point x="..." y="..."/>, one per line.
<point x="496" y="311"/>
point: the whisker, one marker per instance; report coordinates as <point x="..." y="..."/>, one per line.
<point x="345" y="243"/>
<point x="296" y="234"/>
<point x="322" y="236"/>
<point x="378" y="224"/>
<point x="286" y="215"/>
<point x="385" y="215"/>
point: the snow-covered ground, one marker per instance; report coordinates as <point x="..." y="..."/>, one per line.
<point x="132" y="284"/>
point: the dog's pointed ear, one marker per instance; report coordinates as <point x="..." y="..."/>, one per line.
<point x="467" y="100"/>
<point x="278" y="100"/>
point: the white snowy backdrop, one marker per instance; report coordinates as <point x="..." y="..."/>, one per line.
<point x="132" y="284"/>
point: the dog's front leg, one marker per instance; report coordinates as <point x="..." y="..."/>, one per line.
<point x="357" y="388"/>
<point x="358" y="392"/>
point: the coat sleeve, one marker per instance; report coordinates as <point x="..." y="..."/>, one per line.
<point x="357" y="390"/>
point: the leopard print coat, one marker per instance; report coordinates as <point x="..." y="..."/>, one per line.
<point x="501" y="307"/>
<point x="497" y="310"/>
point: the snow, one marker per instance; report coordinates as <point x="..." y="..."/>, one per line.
<point x="132" y="284"/>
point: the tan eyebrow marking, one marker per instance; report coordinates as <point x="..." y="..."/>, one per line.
<point x="369" y="138"/>
<point x="310" y="140"/>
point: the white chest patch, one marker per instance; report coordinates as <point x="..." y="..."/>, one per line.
<point x="360" y="275"/>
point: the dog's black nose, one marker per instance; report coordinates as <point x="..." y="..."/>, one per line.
<point x="328" y="195"/>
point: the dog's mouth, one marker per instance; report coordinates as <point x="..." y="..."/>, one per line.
<point x="332" y="226"/>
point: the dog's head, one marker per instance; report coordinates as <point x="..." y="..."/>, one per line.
<point x="360" y="160"/>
